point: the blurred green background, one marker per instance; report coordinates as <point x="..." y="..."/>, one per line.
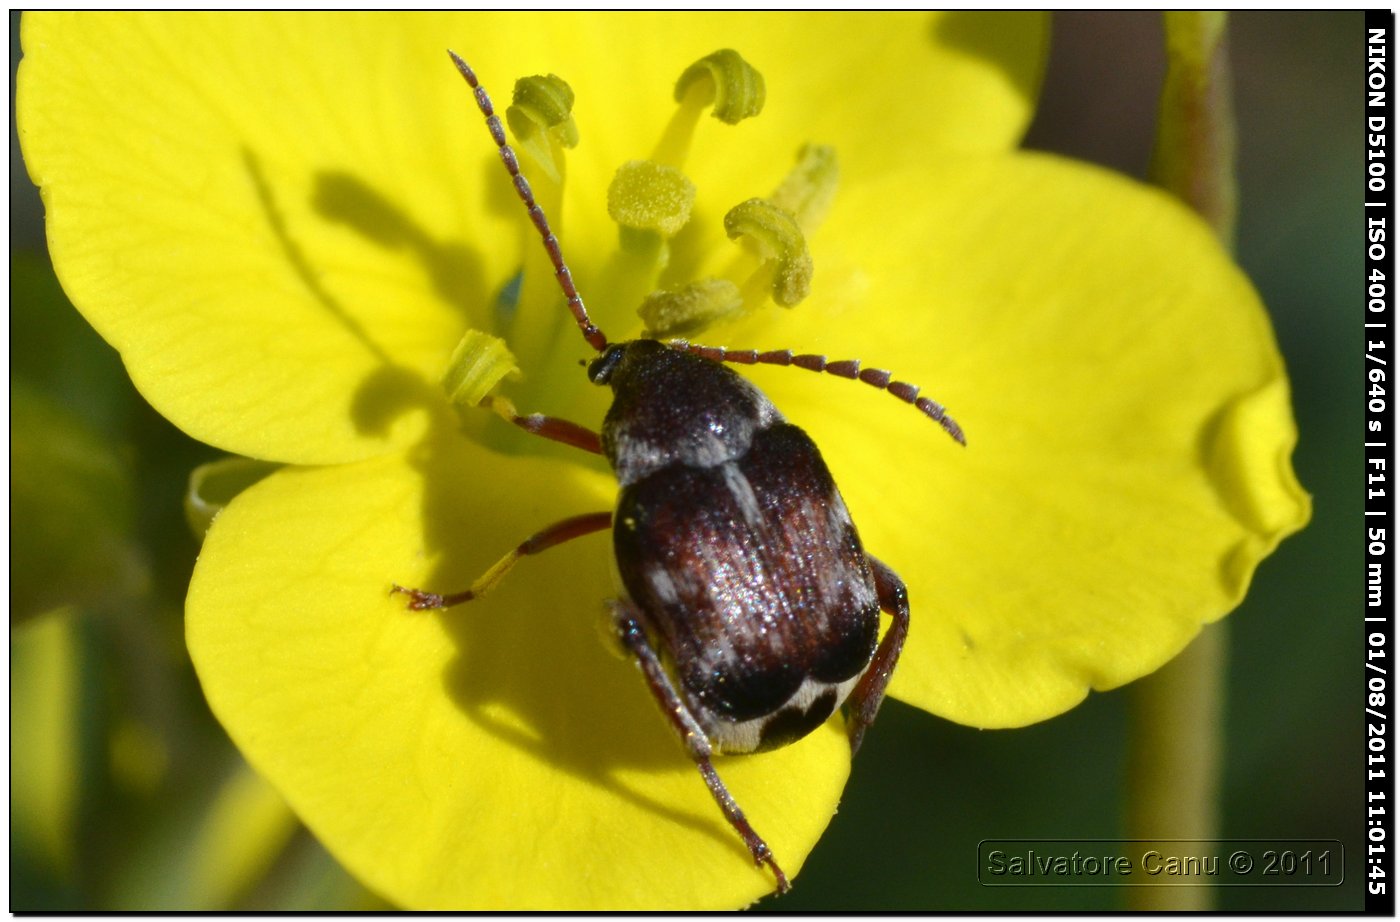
<point x="127" y="795"/>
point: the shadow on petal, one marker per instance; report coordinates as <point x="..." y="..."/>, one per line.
<point x="391" y="390"/>
<point x="298" y="261"/>
<point x="388" y="393"/>
<point x="533" y="664"/>
<point x="454" y="269"/>
<point x="1015" y="53"/>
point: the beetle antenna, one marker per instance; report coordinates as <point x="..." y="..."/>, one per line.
<point x="847" y="368"/>
<point x="595" y="336"/>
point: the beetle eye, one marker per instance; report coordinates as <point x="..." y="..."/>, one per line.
<point x="600" y="370"/>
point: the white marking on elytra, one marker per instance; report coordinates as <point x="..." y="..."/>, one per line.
<point x="745" y="498"/>
<point x="662" y="584"/>
<point x="861" y="593"/>
<point x="745" y="736"/>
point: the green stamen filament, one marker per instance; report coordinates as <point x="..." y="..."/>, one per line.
<point x="779" y="242"/>
<point x="689" y="309"/>
<point x="808" y="189"/>
<point x="778" y="227"/>
<point x="651" y="202"/>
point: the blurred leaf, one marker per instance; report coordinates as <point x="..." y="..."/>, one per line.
<point x="60" y="353"/>
<point x="45" y="676"/>
<point x="244" y="831"/>
<point x="71" y="510"/>
<point x="139" y="757"/>
<point x="307" y="879"/>
<point x="205" y="852"/>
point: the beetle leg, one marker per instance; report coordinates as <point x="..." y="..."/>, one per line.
<point x="551" y="427"/>
<point x="870" y="690"/>
<point x="557" y="533"/>
<point x="697" y="745"/>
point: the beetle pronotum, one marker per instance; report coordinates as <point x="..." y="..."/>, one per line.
<point x="747" y="599"/>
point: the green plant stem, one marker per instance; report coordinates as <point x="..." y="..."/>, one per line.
<point x="1175" y="752"/>
<point x="1174" y="759"/>
<point x="1194" y="153"/>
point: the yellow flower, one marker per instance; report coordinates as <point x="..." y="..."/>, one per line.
<point x="286" y="223"/>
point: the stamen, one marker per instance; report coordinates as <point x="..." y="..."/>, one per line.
<point x="650" y="196"/>
<point x="479" y="363"/>
<point x="735" y="87"/>
<point x="542" y="126"/>
<point x="779" y="241"/>
<point x="808" y="189"/>
<point x="689" y="309"/>
<point x="539" y="117"/>
<point x="723" y="82"/>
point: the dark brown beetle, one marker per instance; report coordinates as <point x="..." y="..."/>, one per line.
<point x="750" y="604"/>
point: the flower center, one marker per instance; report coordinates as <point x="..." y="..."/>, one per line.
<point x="652" y="201"/>
<point x="772" y="262"/>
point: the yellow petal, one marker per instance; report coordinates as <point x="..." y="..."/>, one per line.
<point x="278" y="219"/>
<point x="265" y="245"/>
<point x="495" y="755"/>
<point x="1126" y="410"/>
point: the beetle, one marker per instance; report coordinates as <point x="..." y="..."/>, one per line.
<point x="747" y="598"/>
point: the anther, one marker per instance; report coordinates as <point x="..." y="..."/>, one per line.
<point x="691" y="308"/>
<point x="539" y="116"/>
<point x="478" y="364"/>
<point x="780" y="241"/>
<point x="733" y="84"/>
<point x="650" y="196"/>
<point x="723" y="82"/>
<point x="543" y="102"/>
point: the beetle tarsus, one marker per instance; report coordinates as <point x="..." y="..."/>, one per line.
<point x="558" y="533"/>
<point x="418" y="600"/>
<point x="767" y="858"/>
